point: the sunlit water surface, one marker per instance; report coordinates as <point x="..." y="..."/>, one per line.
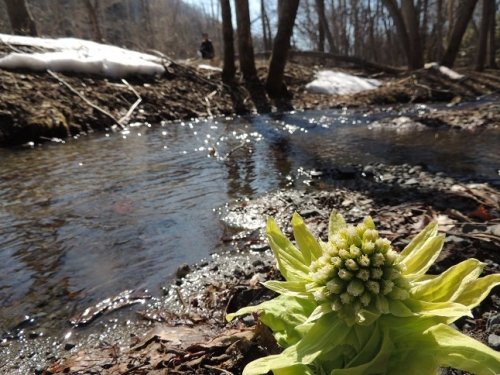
<point x="85" y="220"/>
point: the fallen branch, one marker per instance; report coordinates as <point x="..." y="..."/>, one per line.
<point x="132" y="108"/>
<point x="74" y="91"/>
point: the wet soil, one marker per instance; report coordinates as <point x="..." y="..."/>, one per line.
<point x="185" y="331"/>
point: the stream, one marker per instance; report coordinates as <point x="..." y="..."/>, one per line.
<point x="87" y="219"/>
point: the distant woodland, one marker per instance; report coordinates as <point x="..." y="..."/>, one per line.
<point x="387" y="32"/>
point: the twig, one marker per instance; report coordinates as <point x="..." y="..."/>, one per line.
<point x="218" y="369"/>
<point x="207" y="99"/>
<point x="132" y="108"/>
<point x="74" y="91"/>
<point x="179" y="296"/>
<point x="241" y="145"/>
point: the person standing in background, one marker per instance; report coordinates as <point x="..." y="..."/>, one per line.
<point x="206" y="48"/>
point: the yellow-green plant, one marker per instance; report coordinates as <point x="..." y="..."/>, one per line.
<point x="355" y="306"/>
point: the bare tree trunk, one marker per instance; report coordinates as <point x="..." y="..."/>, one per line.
<point x="397" y="17"/>
<point x="229" y="68"/>
<point x="93" y="13"/>
<point x="483" y="35"/>
<point x="266" y="35"/>
<point x="466" y="8"/>
<point x="245" y="44"/>
<point x="492" y="38"/>
<point x="412" y="26"/>
<point x="274" y="83"/>
<point x="20" y="18"/>
<point x="323" y="24"/>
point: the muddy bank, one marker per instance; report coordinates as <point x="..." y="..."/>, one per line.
<point x="185" y="331"/>
<point x="36" y="107"/>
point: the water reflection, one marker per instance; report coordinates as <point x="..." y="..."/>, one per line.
<point x="85" y="220"/>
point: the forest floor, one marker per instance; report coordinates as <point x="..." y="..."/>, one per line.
<point x="36" y="107"/>
<point x="186" y="333"/>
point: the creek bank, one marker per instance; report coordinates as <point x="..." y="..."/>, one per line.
<point x="40" y="107"/>
<point x="185" y="331"/>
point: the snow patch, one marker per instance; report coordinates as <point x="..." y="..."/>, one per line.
<point x="445" y="71"/>
<point x="209" y="67"/>
<point x="79" y="56"/>
<point x="338" y="83"/>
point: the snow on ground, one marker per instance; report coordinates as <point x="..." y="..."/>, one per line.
<point x="338" y="83"/>
<point x="209" y="67"/>
<point x="79" y="56"/>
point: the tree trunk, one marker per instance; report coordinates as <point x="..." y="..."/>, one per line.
<point x="399" y="21"/>
<point x="266" y="35"/>
<point x="20" y="18"/>
<point x="229" y="68"/>
<point x="274" y="83"/>
<point x="323" y="24"/>
<point x="412" y="26"/>
<point x="466" y="8"/>
<point x="492" y="38"/>
<point x="245" y="44"/>
<point x="92" y="11"/>
<point x="483" y="35"/>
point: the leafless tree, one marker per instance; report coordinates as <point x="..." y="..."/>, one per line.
<point x="229" y="68"/>
<point x="93" y="13"/>
<point x="274" y="82"/>
<point x="21" y="21"/>
<point x="245" y="44"/>
<point x="465" y="10"/>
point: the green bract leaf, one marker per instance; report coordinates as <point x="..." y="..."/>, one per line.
<point x="308" y="245"/>
<point x="450" y="284"/>
<point x="429" y="231"/>
<point x="336" y="223"/>
<point x="290" y="260"/>
<point x="477" y="290"/>
<point x="288" y="288"/>
<point x="421" y="258"/>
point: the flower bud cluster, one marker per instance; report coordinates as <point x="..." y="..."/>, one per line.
<point x="359" y="270"/>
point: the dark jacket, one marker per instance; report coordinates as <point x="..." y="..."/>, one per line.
<point x="207" y="49"/>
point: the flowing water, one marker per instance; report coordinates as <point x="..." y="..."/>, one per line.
<point x="87" y="219"/>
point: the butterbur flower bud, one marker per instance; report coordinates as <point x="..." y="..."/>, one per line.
<point x="383" y="244"/>
<point x="355" y="287"/>
<point x="330" y="249"/>
<point x="351" y="265"/>
<point x="363" y="274"/>
<point x="344" y="274"/>
<point x="364" y="261"/>
<point x="344" y="254"/>
<point x="360" y="229"/>
<point x="377" y="260"/>
<point x="368" y="222"/>
<point x="320" y="295"/>
<point x="368" y="247"/>
<point x="376" y="273"/>
<point x="390" y="257"/>
<point x="373" y="287"/>
<point x="365" y="299"/>
<point x="370" y="235"/>
<point x="337" y="262"/>
<point x="346" y="298"/>
<point x="354" y="251"/>
<point x="335" y="286"/>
